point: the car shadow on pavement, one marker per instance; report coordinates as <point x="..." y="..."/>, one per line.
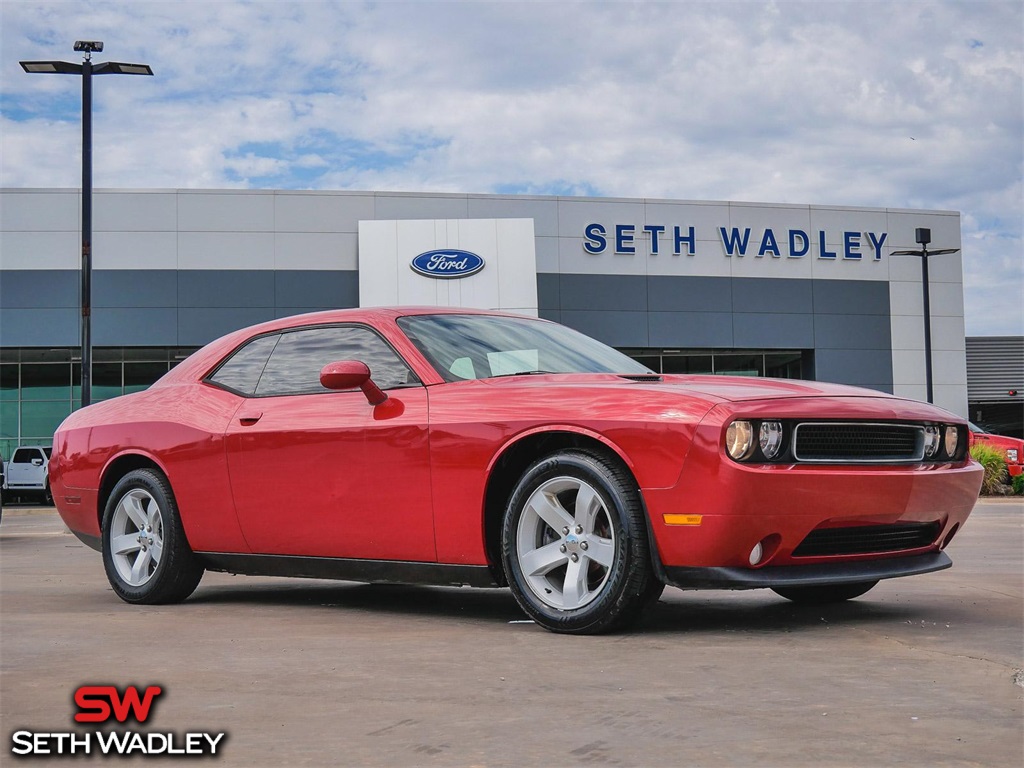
<point x="766" y="613"/>
<point x="680" y="613"/>
<point x="465" y="603"/>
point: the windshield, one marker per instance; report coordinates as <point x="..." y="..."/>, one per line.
<point x="464" y="347"/>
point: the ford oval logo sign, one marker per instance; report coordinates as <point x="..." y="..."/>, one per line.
<point x="447" y="263"/>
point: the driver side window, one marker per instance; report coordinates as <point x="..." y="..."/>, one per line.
<point x="294" y="365"/>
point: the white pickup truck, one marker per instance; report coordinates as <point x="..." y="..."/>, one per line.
<point x="27" y="474"/>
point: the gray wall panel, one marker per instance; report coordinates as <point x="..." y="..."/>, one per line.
<point x="548" y="290"/>
<point x="773" y="330"/>
<point x="197" y="326"/>
<point x="39" y="288"/>
<point x="135" y="327"/>
<point x="603" y="292"/>
<point x="853" y="332"/>
<point x="690" y="329"/>
<point x="751" y="294"/>
<point x="225" y="288"/>
<point x="307" y="288"/>
<point x="135" y="288"/>
<point x="56" y="327"/>
<point x="616" y="328"/>
<point x="689" y="294"/>
<point x="862" y="367"/>
<point x="852" y="297"/>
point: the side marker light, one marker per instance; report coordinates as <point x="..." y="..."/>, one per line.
<point x="671" y="519"/>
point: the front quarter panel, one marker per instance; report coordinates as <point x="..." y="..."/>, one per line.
<point x="472" y="423"/>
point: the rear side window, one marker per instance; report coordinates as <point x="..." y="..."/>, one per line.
<point x="295" y="364"/>
<point x="241" y="372"/>
<point x="25" y="455"/>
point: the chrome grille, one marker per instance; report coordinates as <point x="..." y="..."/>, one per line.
<point x="865" y="539"/>
<point x="854" y="442"/>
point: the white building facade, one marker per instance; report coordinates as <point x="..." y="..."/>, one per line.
<point x="801" y="291"/>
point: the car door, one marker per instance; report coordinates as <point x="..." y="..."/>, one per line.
<point x="323" y="473"/>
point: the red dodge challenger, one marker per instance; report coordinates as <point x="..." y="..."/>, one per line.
<point x="442" y="446"/>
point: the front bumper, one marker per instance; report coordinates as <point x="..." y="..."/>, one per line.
<point x="805" y="575"/>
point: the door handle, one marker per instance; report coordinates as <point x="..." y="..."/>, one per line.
<point x="248" y="419"/>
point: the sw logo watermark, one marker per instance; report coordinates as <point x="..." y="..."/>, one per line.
<point x="108" y="705"/>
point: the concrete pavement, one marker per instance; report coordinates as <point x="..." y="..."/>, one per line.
<point x="924" y="671"/>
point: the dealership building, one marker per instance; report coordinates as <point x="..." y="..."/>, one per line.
<point x="797" y="291"/>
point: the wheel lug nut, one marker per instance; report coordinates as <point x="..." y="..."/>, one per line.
<point x="574" y="557"/>
<point x="583" y="544"/>
<point x="562" y="549"/>
<point x="565" y="530"/>
<point x="579" y="529"/>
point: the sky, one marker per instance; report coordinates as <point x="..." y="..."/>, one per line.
<point x="894" y="104"/>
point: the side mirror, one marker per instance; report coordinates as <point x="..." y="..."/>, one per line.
<point x="349" y="374"/>
<point x="37" y="462"/>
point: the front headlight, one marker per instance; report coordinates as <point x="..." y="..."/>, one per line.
<point x="1011" y="455"/>
<point x="769" y="437"/>
<point x="739" y="440"/>
<point x="951" y="439"/>
<point x="931" y="441"/>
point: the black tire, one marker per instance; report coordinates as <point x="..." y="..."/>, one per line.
<point x="47" y="496"/>
<point x="614" y="594"/>
<point x="178" y="572"/>
<point x="831" y="593"/>
<point x="654" y="589"/>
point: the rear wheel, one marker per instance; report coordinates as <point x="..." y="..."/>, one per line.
<point x="832" y="593"/>
<point x="574" y="544"/>
<point x="145" y="553"/>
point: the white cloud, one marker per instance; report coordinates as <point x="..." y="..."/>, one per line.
<point x="851" y="103"/>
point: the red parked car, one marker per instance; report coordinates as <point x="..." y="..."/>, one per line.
<point x="1012" y="447"/>
<point x="466" y="447"/>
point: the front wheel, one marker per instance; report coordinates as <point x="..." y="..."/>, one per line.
<point x="574" y="544"/>
<point x="145" y="553"/>
<point x="821" y="595"/>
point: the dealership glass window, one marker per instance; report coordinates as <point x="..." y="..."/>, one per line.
<point x="8" y="420"/>
<point x="39" y="420"/>
<point x="9" y="382"/>
<point x="139" y="376"/>
<point x="40" y="387"/>
<point x="788" y="365"/>
<point x="687" y="364"/>
<point x="739" y="365"/>
<point x="785" y="364"/>
<point x="45" y="381"/>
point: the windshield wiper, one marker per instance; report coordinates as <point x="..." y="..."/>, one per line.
<point x="521" y="373"/>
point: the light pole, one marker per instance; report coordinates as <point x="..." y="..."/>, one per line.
<point x="922" y="237"/>
<point x="86" y="69"/>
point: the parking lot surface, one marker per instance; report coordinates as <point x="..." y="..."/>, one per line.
<point x="923" y="671"/>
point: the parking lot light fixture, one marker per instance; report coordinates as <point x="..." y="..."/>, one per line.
<point x="923" y="236"/>
<point x="86" y="70"/>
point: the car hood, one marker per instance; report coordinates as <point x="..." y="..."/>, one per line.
<point x="744" y="388"/>
<point x="715" y="389"/>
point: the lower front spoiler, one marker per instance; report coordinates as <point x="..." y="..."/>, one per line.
<point x="805" y="575"/>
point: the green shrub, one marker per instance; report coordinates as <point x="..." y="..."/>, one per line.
<point x="1018" y="485"/>
<point x="995" y="467"/>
